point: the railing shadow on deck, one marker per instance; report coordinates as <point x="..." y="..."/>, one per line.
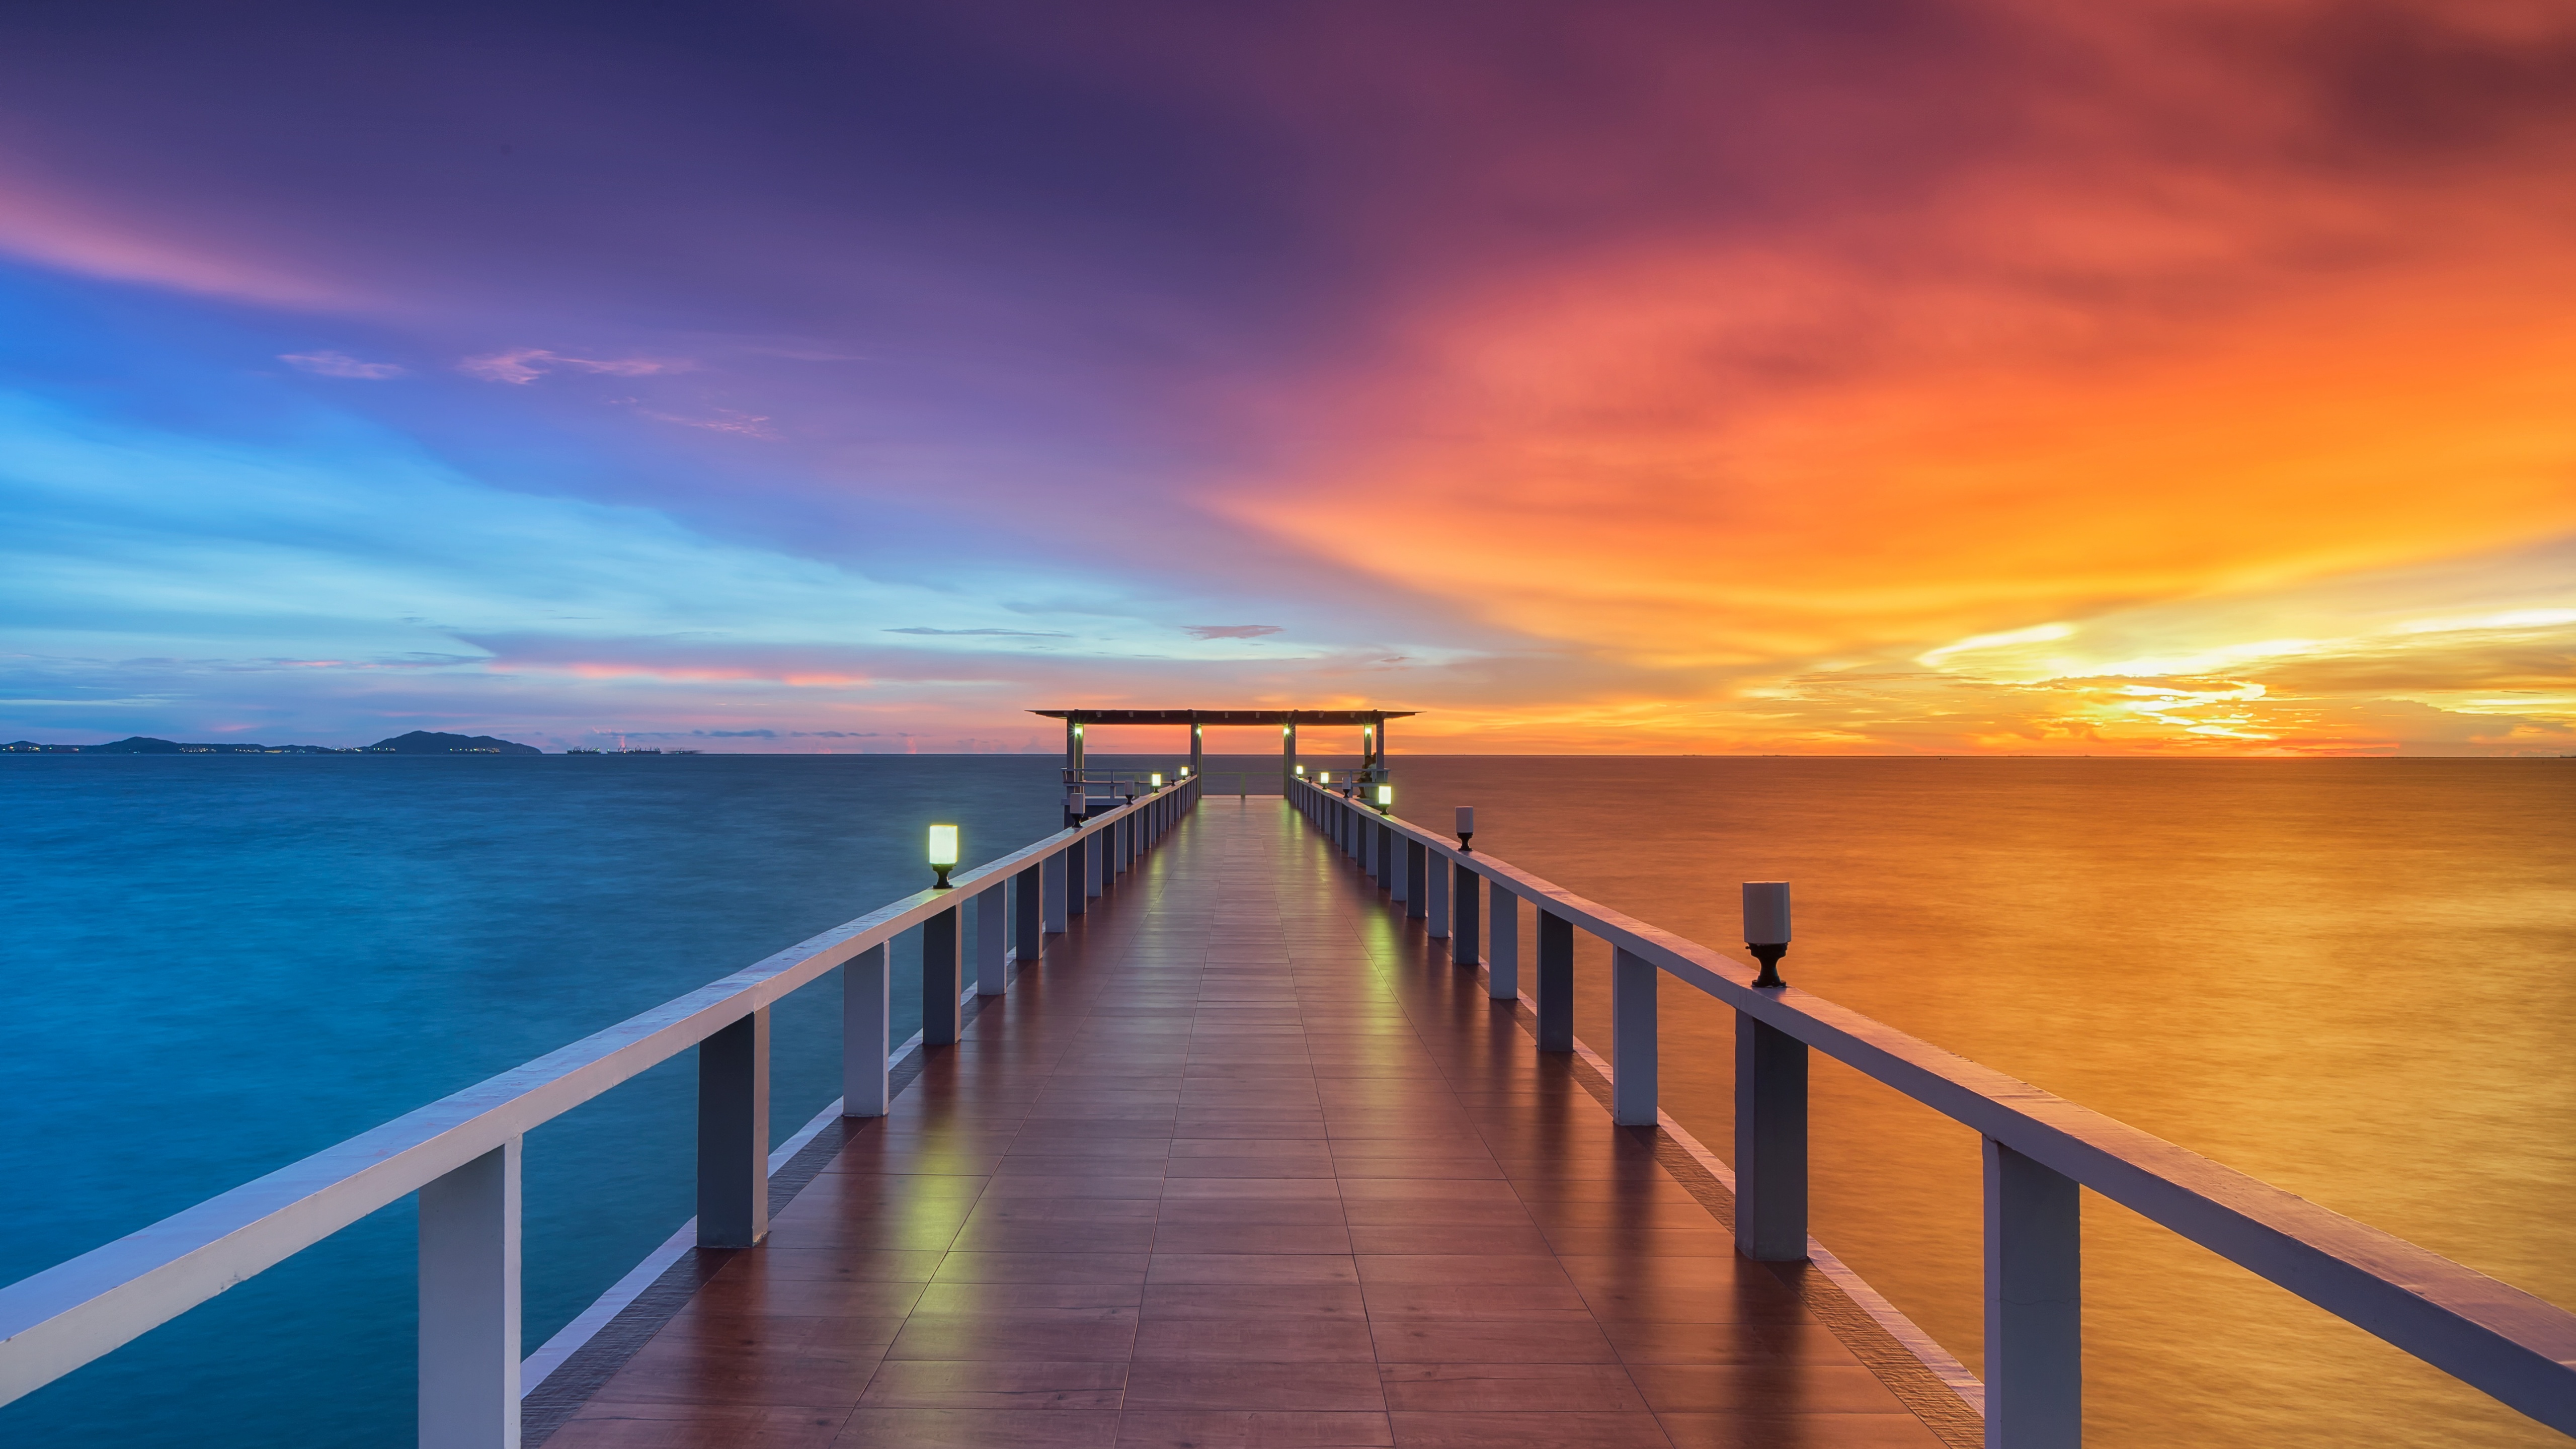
<point x="2039" y="1148"/>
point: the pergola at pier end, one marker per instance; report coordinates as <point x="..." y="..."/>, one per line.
<point x="1372" y="723"/>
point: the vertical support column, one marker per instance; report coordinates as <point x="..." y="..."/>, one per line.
<point x="1503" y="945"/>
<point x="1466" y="912"/>
<point x="1288" y="757"/>
<point x="733" y="1134"/>
<point x="1435" y="870"/>
<point x="1632" y="1039"/>
<point x="867" y="1033"/>
<point x="1390" y="872"/>
<point x="1029" y="927"/>
<point x="1095" y="862"/>
<point x="1770" y="1143"/>
<point x="1555" y="982"/>
<point x="1408" y="873"/>
<point x="469" y="1304"/>
<point x="2034" y="1304"/>
<point x="939" y="973"/>
<point x="1077" y="872"/>
<point x="1198" y="749"/>
<point x="1058" y="870"/>
<point x="992" y="955"/>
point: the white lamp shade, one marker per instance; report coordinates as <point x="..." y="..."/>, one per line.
<point x="1766" y="913"/>
<point x="1466" y="820"/>
<point x="943" y="845"/>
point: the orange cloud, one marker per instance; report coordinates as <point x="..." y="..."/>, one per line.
<point x="2205" y="328"/>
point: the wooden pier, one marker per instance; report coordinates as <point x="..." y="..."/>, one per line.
<point x="1247" y="1161"/>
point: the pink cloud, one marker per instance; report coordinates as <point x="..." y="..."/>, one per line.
<point x="523" y="365"/>
<point x="339" y="364"/>
<point x="49" y="227"/>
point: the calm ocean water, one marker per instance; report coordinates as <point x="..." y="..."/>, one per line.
<point x="2350" y="977"/>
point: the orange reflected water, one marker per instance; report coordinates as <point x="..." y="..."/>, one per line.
<point x="2353" y="978"/>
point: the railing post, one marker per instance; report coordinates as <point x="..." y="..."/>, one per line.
<point x="940" y="968"/>
<point x="992" y="949"/>
<point x="1095" y="864"/>
<point x="1381" y="855"/>
<point x="867" y="1033"/>
<point x="2034" y="1304"/>
<point x="1503" y="944"/>
<point x="1408" y="873"/>
<point x="1029" y="927"/>
<point x="1077" y="876"/>
<point x="469" y="1304"/>
<point x="1466" y="912"/>
<point x="1770" y="1143"/>
<point x="1435" y="872"/>
<point x="1632" y="1039"/>
<point x="1555" y="982"/>
<point x="733" y="1134"/>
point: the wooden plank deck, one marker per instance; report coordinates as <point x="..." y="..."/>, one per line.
<point x="1246" y="1162"/>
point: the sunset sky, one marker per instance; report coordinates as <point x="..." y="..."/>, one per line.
<point x="1973" y="376"/>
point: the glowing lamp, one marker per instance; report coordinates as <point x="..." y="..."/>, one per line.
<point x="1766" y="927"/>
<point x="1301" y="772"/>
<point x="1323" y="777"/>
<point x="1158" y="781"/>
<point x="1185" y="772"/>
<point x="1385" y="798"/>
<point x="943" y="853"/>
<point x="1466" y="827"/>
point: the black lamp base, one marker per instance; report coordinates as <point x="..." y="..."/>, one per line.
<point x="1769" y="956"/>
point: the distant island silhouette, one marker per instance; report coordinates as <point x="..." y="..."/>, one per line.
<point x="418" y="742"/>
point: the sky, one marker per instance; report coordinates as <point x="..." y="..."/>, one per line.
<point x="1961" y="376"/>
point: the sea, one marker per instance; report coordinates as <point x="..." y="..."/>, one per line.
<point x="2354" y="978"/>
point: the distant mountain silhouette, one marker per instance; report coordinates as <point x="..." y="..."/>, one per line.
<point x="425" y="742"/>
<point x="148" y="745"/>
<point x="418" y="742"/>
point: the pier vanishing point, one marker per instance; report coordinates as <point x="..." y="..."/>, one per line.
<point x="1259" y="1120"/>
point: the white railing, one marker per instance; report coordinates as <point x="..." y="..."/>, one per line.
<point x="2038" y="1149"/>
<point x="462" y="1152"/>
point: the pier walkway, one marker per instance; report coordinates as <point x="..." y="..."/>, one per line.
<point x="1247" y="1162"/>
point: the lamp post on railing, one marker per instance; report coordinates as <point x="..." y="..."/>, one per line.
<point x="1770" y="1101"/>
<point x="942" y="960"/>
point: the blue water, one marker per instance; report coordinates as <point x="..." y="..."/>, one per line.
<point x="218" y="965"/>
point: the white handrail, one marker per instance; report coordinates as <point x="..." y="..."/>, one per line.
<point x="65" y="1316"/>
<point x="2510" y="1344"/>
